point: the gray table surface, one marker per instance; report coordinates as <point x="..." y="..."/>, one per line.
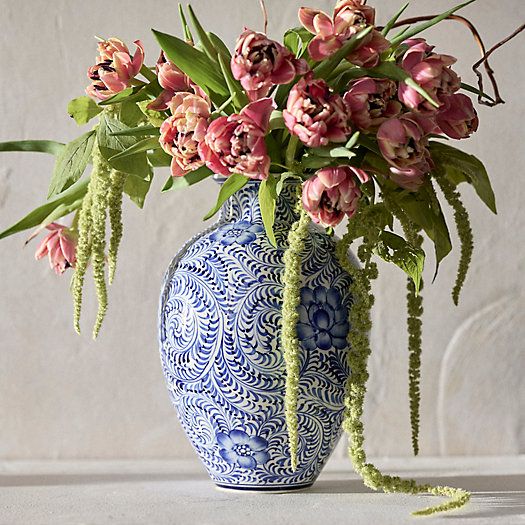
<point x="179" y="492"/>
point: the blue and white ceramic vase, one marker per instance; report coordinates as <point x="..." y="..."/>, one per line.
<point x="220" y="320"/>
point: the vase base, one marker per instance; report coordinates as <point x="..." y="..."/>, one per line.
<point x="267" y="489"/>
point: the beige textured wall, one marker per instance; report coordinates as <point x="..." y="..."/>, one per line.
<point x="63" y="396"/>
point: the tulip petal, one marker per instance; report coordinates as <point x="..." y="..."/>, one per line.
<point x="306" y="17"/>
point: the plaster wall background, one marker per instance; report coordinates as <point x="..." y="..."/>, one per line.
<point x="64" y="396"/>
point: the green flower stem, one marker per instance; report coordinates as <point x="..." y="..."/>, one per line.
<point x="289" y="339"/>
<point x="290" y="151"/>
<point x="360" y="320"/>
<point x="101" y="176"/>
<point x="117" y="180"/>
<point x="465" y="235"/>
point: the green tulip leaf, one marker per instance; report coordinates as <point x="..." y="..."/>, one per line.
<point x="137" y="188"/>
<point x="232" y="184"/>
<point x="196" y="64"/>
<point x="463" y="167"/>
<point x="83" y="109"/>
<point x="394" y="249"/>
<point x="71" y="163"/>
<point x="267" y="201"/>
<point x="35" y="146"/>
<point x="177" y="183"/>
<point x="73" y="194"/>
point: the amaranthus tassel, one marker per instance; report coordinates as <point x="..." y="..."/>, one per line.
<point x="83" y="254"/>
<point x="289" y="339"/>
<point x="117" y="180"/>
<point x="466" y="237"/>
<point x="358" y="362"/>
<point x="101" y="177"/>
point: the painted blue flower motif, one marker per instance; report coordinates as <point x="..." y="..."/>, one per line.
<point x="239" y="448"/>
<point x="323" y="319"/>
<point x="242" y="232"/>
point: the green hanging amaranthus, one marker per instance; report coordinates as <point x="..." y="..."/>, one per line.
<point x="464" y="230"/>
<point x="414" y="325"/>
<point x="289" y="339"/>
<point x="103" y="198"/>
<point x="360" y="320"/>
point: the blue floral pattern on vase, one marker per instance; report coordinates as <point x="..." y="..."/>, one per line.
<point x="323" y="319"/>
<point x="242" y="232"/>
<point x="220" y="319"/>
<point x="239" y="448"/>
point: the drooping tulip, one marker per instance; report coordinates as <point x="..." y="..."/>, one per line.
<point x="236" y="144"/>
<point x="403" y="142"/>
<point x="431" y="71"/>
<point x="60" y="247"/>
<point x="181" y="134"/>
<point x="457" y="117"/>
<point x="115" y="68"/>
<point x="260" y="63"/>
<point x="333" y="193"/>
<point x="331" y="33"/>
<point x="372" y="101"/>
<point x="315" y="114"/>
<point x="172" y="80"/>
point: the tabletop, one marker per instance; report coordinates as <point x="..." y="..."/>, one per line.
<point x="179" y="492"/>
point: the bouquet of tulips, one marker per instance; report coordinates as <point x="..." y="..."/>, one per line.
<point x="360" y="115"/>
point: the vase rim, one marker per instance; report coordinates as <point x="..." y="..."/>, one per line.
<point x="221" y="179"/>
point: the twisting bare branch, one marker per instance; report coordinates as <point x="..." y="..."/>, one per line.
<point x="484" y="53"/>
<point x="265" y="15"/>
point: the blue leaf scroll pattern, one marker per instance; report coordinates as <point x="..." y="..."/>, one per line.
<point x="220" y="319"/>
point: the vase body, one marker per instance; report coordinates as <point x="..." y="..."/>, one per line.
<point x="220" y="322"/>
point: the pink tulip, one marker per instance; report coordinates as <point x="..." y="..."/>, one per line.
<point x="371" y="102"/>
<point x="181" y="134"/>
<point x="431" y="71"/>
<point x="403" y="142"/>
<point x="315" y="114"/>
<point x="260" y="63"/>
<point x="59" y="246"/>
<point x="172" y="80"/>
<point x="369" y="50"/>
<point x="350" y="17"/>
<point x="457" y="117"/>
<point x="114" y="69"/>
<point x="236" y="144"/>
<point x="333" y="193"/>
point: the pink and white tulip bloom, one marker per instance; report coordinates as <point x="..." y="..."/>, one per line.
<point x="172" y="80"/>
<point x="260" y="63"/>
<point x="457" y="117"/>
<point x="315" y="114"/>
<point x="403" y="142"/>
<point x="115" y="68"/>
<point x="371" y="102"/>
<point x="60" y="247"/>
<point x="236" y="144"/>
<point x="333" y="193"/>
<point x="350" y="17"/>
<point x="431" y="71"/>
<point x="181" y="134"/>
<point x="369" y="50"/>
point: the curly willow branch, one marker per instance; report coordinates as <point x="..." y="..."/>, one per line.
<point x="360" y="321"/>
<point x="465" y="235"/>
<point x="117" y="180"/>
<point x="484" y="60"/>
<point x="290" y="342"/>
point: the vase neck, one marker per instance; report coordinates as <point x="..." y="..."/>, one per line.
<point x="244" y="205"/>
